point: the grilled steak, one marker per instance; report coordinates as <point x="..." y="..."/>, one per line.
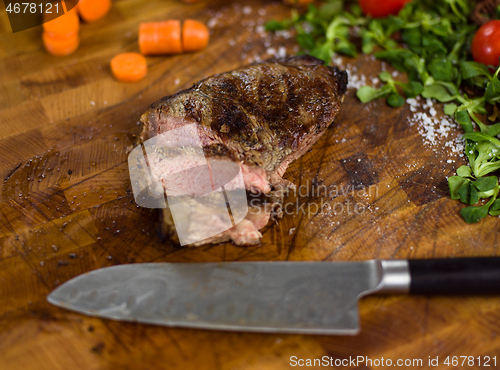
<point x="261" y="117"/>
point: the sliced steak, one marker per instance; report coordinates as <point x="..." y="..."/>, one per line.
<point x="262" y="117"/>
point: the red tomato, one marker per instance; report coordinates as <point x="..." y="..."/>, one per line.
<point x="486" y="44"/>
<point x="381" y="8"/>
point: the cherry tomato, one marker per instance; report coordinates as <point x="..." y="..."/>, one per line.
<point x="486" y="44"/>
<point x="381" y="8"/>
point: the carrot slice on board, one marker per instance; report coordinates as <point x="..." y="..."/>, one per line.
<point x="195" y="35"/>
<point x="64" y="24"/>
<point x="129" y="67"/>
<point x="92" y="10"/>
<point x="160" y="37"/>
<point x="60" y="45"/>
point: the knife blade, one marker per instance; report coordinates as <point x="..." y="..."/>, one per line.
<point x="273" y="297"/>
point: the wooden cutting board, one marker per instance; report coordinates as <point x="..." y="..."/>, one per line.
<point x="371" y="187"/>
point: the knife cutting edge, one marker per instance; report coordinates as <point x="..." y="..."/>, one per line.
<point x="272" y="297"/>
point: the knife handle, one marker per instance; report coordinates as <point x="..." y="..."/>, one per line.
<point x="455" y="276"/>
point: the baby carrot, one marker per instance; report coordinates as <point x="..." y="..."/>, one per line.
<point x="129" y="67"/>
<point x="65" y="24"/>
<point x="160" y="37"/>
<point x="195" y="35"/>
<point x="92" y="10"/>
<point x="60" y="45"/>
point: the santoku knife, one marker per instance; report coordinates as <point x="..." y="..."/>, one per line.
<point x="274" y="297"/>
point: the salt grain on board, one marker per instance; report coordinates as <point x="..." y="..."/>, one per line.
<point x="434" y="129"/>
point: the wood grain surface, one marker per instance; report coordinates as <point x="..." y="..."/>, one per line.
<point x="66" y="206"/>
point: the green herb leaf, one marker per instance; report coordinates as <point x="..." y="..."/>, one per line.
<point x="473" y="214"/>
<point x="395" y="57"/>
<point x="469" y="69"/>
<point x="450" y="109"/>
<point x="395" y="100"/>
<point x="468" y="193"/>
<point x="483" y="156"/>
<point x="495" y="208"/>
<point x="368" y="93"/>
<point x="486" y="183"/>
<point x="356" y="10"/>
<point x="346" y="48"/>
<point x="481" y="136"/>
<point x="439" y="92"/>
<point x="464" y="120"/>
<point x="433" y="46"/>
<point x="441" y="69"/>
<point x="413" y="38"/>
<point x="492" y="93"/>
<point x="494" y="130"/>
<point x="323" y="52"/>
<point x="306" y="41"/>
<point x="331" y="8"/>
<point x="464" y="171"/>
<point x="367" y="45"/>
<point x="455" y="183"/>
<point x="412" y="89"/>
<point x="385" y="76"/>
<point x="275" y="25"/>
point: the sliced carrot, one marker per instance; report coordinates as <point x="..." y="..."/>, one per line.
<point x="195" y="35"/>
<point x="65" y="24"/>
<point x="160" y="37"/>
<point x="60" y="45"/>
<point x="92" y="10"/>
<point x="129" y="67"/>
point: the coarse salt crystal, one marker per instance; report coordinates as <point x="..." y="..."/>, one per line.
<point x="282" y="52"/>
<point x="433" y="129"/>
<point x="212" y="23"/>
<point x="271" y="51"/>
<point x="285" y="34"/>
<point x="337" y="61"/>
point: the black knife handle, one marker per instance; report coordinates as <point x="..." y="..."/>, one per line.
<point x="455" y="276"/>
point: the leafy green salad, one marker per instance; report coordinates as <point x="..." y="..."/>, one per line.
<point x="431" y="42"/>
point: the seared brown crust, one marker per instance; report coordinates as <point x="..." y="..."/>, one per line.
<point x="263" y="114"/>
